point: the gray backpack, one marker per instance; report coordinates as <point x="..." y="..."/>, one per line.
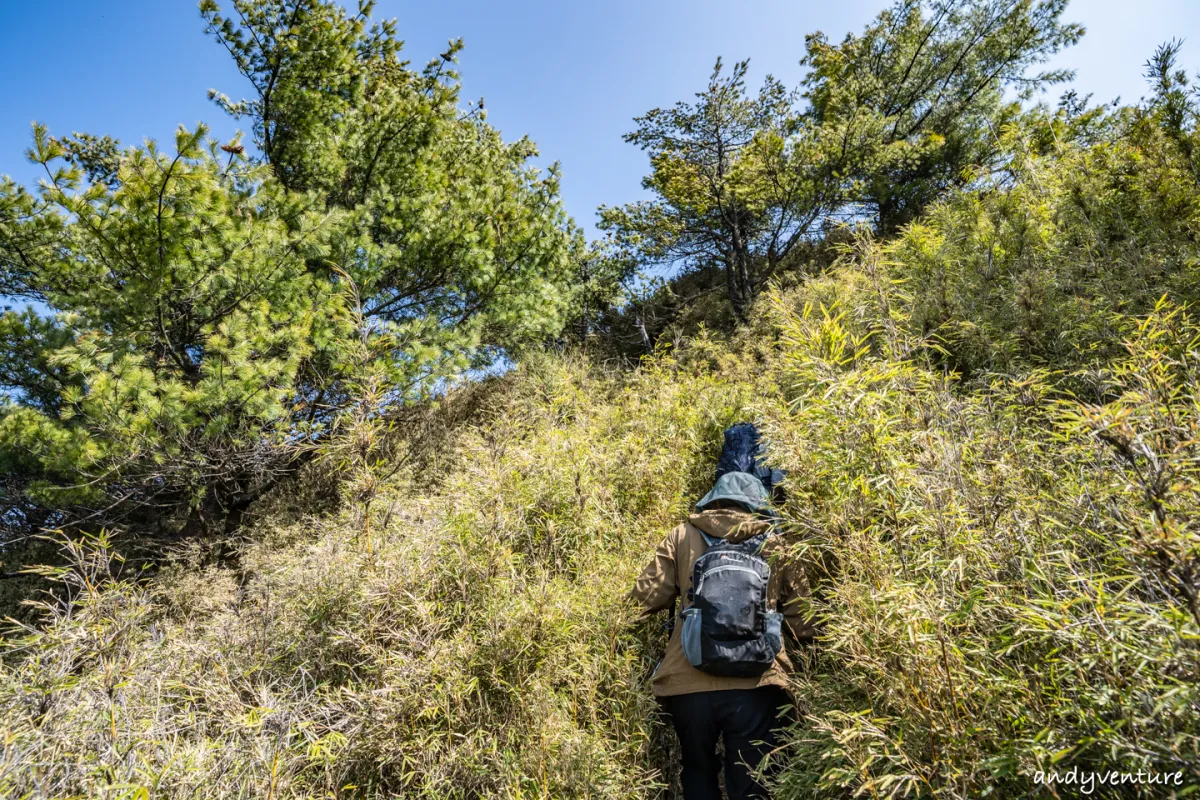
<point x="728" y="629"/>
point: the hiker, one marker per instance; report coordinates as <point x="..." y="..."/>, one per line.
<point x="725" y="670"/>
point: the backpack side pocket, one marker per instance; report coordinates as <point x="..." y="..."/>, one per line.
<point x="689" y="637"/>
<point x="773" y="630"/>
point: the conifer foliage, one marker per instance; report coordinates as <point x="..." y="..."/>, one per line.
<point x="883" y="123"/>
<point x="205" y="304"/>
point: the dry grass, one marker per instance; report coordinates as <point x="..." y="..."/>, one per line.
<point x="479" y="645"/>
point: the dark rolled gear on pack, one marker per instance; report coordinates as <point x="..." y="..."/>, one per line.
<point x="742" y="452"/>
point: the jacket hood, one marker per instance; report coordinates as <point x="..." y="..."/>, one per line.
<point x="741" y="488"/>
<point x="729" y="524"/>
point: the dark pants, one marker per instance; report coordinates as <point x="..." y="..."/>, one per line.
<point x="749" y="720"/>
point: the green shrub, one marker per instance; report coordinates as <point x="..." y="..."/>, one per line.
<point x="998" y="595"/>
<point x="1047" y="265"/>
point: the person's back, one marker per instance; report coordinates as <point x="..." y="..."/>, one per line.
<point x="703" y="707"/>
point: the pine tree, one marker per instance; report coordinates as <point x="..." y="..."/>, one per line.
<point x="201" y="336"/>
<point x="883" y="124"/>
<point x="918" y="98"/>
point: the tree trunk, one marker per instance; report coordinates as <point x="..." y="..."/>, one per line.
<point x="739" y="284"/>
<point x="737" y="276"/>
<point x="733" y="287"/>
<point x="747" y="287"/>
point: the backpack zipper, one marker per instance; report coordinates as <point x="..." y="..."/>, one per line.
<point x="725" y="568"/>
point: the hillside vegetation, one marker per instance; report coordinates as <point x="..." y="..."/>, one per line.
<point x="1005" y="566"/>
<point x="990" y="419"/>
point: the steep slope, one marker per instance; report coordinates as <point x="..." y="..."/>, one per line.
<point x="479" y="644"/>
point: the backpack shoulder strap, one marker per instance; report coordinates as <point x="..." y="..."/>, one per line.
<point x="709" y="541"/>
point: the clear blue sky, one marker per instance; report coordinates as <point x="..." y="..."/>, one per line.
<point x="570" y="74"/>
